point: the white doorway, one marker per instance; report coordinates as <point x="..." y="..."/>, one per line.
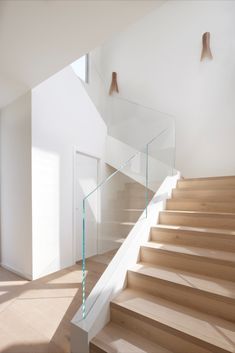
<point x="85" y="181"/>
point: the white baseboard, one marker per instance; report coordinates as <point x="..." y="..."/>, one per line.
<point x="18" y="273"/>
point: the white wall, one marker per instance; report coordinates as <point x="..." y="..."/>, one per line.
<point x="32" y="50"/>
<point x="16" y="212"/>
<point x="158" y="65"/>
<point x="159" y="168"/>
<point x="62" y="117"/>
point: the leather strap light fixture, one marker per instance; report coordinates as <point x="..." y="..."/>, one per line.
<point x="206" y="50"/>
<point x="114" y="85"/>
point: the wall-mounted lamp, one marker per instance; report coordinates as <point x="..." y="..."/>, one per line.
<point x="114" y="85"/>
<point x="206" y="50"/>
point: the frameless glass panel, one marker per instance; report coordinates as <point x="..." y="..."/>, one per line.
<point x="141" y="147"/>
<point x="121" y="203"/>
<point x="123" y="198"/>
<point x="127" y="122"/>
<point x="134" y="124"/>
<point x="161" y="157"/>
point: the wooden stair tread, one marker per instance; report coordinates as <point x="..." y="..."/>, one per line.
<point x="212" y="254"/>
<point x="196" y="219"/>
<point x="220" y="182"/>
<point x="221" y="220"/>
<point x="115" y="339"/>
<point x="200" y="214"/>
<point x="225" y="233"/>
<point x="199" y="326"/>
<point x="190" y="199"/>
<point x="196" y="281"/>
<point x="181" y="294"/>
<point x="201" y="205"/>
<point x="205" y="187"/>
<point x="204" y="194"/>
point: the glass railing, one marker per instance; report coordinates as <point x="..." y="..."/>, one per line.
<point x="122" y="200"/>
<point x="133" y="123"/>
<point x="140" y="153"/>
<point x="127" y="121"/>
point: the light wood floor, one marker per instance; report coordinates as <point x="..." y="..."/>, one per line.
<point x="35" y="316"/>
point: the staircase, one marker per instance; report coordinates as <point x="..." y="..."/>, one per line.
<point x="123" y="209"/>
<point x="180" y="297"/>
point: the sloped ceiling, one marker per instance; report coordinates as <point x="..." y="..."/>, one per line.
<point x="40" y="37"/>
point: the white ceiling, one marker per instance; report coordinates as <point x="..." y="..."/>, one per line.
<point x="40" y="37"/>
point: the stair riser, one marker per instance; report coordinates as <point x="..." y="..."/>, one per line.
<point x="226" y="183"/>
<point x="180" y="237"/>
<point x="191" y="297"/>
<point x="131" y="216"/>
<point x="134" y="186"/>
<point x="191" y="220"/>
<point x="122" y="201"/>
<point x="137" y="192"/>
<point x="200" y="206"/>
<point x="114" y="215"/>
<point x="139" y="203"/>
<point x="122" y="214"/>
<point x="190" y="263"/>
<point x="204" y="195"/>
<point x="124" y="195"/>
<point x="159" y="333"/>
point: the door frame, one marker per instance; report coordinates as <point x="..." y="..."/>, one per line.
<point x="76" y="151"/>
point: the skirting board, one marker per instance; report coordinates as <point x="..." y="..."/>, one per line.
<point x="18" y="273"/>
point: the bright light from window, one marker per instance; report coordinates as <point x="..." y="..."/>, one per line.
<point x="80" y="67"/>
